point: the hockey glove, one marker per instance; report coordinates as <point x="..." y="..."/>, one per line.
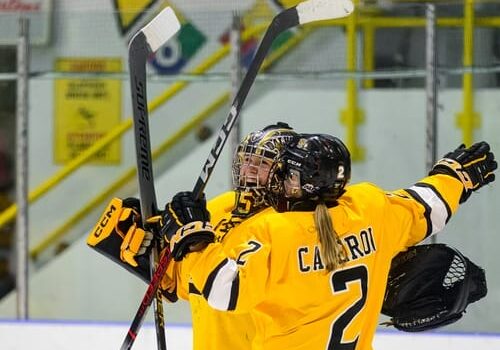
<point x="186" y="224"/>
<point x="136" y="240"/>
<point x="473" y="166"/>
<point x="119" y="236"/>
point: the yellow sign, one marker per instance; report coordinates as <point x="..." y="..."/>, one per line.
<point x="86" y="109"/>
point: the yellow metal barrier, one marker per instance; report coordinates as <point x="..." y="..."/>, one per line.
<point x="352" y="115"/>
<point x="468" y="119"/>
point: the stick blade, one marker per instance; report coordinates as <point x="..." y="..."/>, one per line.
<point x="318" y="10"/>
<point x="161" y="28"/>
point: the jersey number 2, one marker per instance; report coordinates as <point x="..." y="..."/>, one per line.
<point x="253" y="247"/>
<point x="340" y="280"/>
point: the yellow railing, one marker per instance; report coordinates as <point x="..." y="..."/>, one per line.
<point x="352" y="115"/>
<point x="468" y="119"/>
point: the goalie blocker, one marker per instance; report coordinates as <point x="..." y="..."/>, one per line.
<point x="430" y="286"/>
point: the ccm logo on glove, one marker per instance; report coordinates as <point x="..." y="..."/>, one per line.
<point x="101" y="225"/>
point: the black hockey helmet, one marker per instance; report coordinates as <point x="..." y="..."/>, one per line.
<point x="254" y="157"/>
<point x="313" y="168"/>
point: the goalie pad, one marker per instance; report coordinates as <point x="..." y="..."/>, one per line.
<point x="430" y="286"/>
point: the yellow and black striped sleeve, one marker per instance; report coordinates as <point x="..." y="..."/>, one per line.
<point x="433" y="200"/>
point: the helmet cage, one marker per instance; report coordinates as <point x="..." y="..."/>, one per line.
<point x="255" y="154"/>
<point x="254" y="157"/>
<point x="254" y="160"/>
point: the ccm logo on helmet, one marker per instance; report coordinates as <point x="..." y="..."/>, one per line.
<point x="104" y="221"/>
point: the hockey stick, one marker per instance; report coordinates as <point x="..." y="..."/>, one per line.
<point x="305" y="12"/>
<point x="147" y="40"/>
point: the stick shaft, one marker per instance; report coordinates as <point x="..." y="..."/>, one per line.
<point x="283" y="21"/>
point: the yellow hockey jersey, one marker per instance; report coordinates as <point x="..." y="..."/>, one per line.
<point x="214" y="329"/>
<point x="276" y="272"/>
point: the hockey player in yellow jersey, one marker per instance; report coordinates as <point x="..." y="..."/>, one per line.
<point x="312" y="272"/>
<point x="123" y="239"/>
<point x="256" y="153"/>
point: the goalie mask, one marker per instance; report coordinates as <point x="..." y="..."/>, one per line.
<point x="430" y="286"/>
<point x="313" y="168"/>
<point x="253" y="159"/>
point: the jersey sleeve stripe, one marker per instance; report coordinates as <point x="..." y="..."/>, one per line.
<point x="427" y="209"/>
<point x="220" y="290"/>
<point x="437" y="212"/>
<point x="234" y="293"/>
<point x="447" y="206"/>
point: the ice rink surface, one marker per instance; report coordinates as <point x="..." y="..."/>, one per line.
<point x="50" y="335"/>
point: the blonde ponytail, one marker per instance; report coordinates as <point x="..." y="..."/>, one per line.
<point x="332" y="250"/>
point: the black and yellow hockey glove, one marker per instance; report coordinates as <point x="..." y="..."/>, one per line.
<point x="119" y="236"/>
<point x="136" y="240"/>
<point x="186" y="224"/>
<point x="473" y="166"/>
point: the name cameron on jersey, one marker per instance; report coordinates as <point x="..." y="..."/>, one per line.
<point x="358" y="245"/>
